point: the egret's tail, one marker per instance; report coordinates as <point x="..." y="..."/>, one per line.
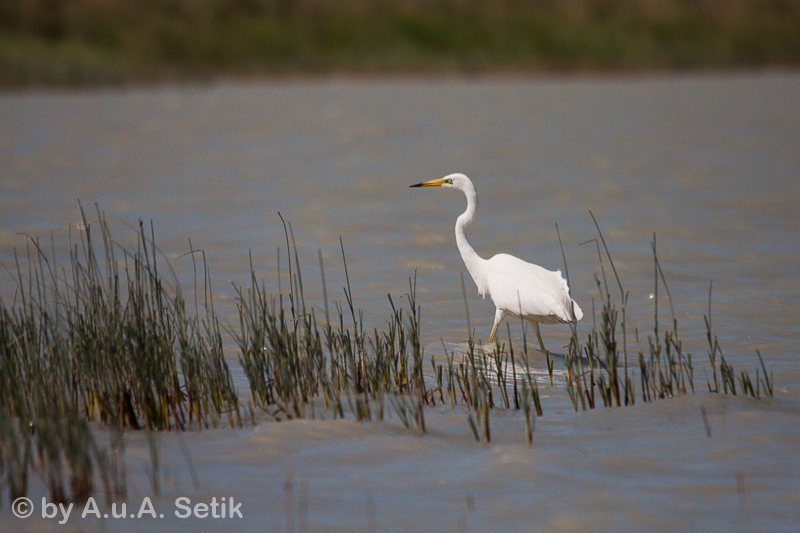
<point x="577" y="310"/>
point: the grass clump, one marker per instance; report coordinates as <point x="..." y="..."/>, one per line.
<point x="104" y="339"/>
<point x="601" y="364"/>
<point x="290" y="357"/>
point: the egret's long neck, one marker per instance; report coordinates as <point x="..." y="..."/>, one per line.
<point x="472" y="260"/>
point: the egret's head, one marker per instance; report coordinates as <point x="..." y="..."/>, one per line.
<point x="454" y="181"/>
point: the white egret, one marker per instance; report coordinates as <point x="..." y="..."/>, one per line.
<point x="517" y="288"/>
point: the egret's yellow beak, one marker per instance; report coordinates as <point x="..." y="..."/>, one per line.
<point x="431" y="183"/>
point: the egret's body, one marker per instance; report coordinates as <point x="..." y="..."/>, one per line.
<point x="516" y="287"/>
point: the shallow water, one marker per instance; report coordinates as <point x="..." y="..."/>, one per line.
<point x="707" y="163"/>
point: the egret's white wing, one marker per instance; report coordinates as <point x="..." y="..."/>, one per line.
<point x="540" y="294"/>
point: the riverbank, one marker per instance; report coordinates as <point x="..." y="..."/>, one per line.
<point x="119" y="42"/>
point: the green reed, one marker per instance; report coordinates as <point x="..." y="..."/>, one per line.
<point x="290" y="359"/>
<point x="727" y="374"/>
<point x="665" y="369"/>
<point x="529" y="390"/>
<point x="105" y="338"/>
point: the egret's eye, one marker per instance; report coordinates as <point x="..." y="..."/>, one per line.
<point x="449" y="180"/>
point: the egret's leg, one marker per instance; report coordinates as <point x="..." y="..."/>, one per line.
<point x="498" y="317"/>
<point x="539" y="336"/>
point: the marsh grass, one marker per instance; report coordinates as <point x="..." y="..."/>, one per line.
<point x="108" y="340"/>
<point x="291" y="358"/>
<point x="104" y="339"/>
<point x="601" y="364"/>
<point x="667" y="370"/>
<point x="727" y="374"/>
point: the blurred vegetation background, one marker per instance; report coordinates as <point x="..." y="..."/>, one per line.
<point x="79" y="42"/>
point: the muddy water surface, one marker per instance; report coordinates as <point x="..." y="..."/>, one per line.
<point x="709" y="164"/>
